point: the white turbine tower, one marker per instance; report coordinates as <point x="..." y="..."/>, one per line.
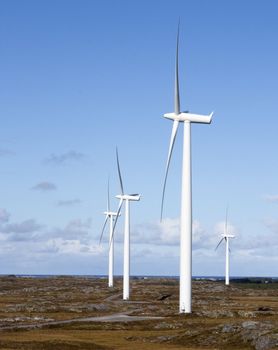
<point x="225" y="236"/>
<point x="186" y="197"/>
<point x="127" y="198"/>
<point x="109" y="215"/>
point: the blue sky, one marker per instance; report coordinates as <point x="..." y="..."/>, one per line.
<point x="80" y="77"/>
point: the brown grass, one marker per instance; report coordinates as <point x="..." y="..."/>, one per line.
<point x="26" y="301"/>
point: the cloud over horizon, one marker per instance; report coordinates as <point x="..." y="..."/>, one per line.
<point x="36" y="239"/>
<point x="74" y="229"/>
<point x="27" y="226"/>
<point x="22" y="231"/>
<point x="151" y="240"/>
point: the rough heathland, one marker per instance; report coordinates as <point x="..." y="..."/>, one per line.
<point x="82" y="313"/>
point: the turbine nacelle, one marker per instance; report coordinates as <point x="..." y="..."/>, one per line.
<point x="224" y="235"/>
<point x="189" y="117"/>
<point x="129" y="197"/>
<point x="111" y="213"/>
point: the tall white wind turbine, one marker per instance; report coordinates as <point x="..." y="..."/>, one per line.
<point x="109" y="215"/>
<point x="225" y="236"/>
<point x="186" y="196"/>
<point x="125" y="198"/>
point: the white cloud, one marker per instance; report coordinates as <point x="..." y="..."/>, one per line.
<point x="30" y="230"/>
<point x="153" y="241"/>
<point x="27" y="241"/>
<point x="74" y="229"/>
<point x="168" y="231"/>
<point x="165" y="233"/>
<point x="73" y="246"/>
<point x="23" y="231"/>
<point x="27" y="226"/>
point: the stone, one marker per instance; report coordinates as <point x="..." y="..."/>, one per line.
<point x="249" y="324"/>
<point x="229" y="328"/>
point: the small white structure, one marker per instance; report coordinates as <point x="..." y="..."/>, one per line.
<point x="186" y="196"/>
<point x="225" y="236"/>
<point x="127" y="198"/>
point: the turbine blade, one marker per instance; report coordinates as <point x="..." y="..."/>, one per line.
<point x="115" y="222"/>
<point x="108" y="197"/>
<point x="103" y="227"/>
<point x="172" y="141"/>
<point x="177" y="90"/>
<point x="219" y="243"/>
<point x="119" y="172"/>
<point x="226" y="222"/>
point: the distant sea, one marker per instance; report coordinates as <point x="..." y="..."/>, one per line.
<point x="196" y="278"/>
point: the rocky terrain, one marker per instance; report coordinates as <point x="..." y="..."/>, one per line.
<point x="82" y="313"/>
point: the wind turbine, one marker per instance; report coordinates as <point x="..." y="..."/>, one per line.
<point x="225" y="236"/>
<point x="125" y="198"/>
<point x="109" y="215"/>
<point x="186" y="195"/>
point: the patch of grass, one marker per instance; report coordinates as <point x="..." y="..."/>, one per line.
<point x="51" y="345"/>
<point x="267" y="286"/>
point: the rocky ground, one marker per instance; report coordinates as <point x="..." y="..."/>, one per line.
<point x="82" y="313"/>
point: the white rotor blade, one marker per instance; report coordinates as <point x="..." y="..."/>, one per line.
<point x="108" y="197"/>
<point x="115" y="222"/>
<point x="172" y="141"/>
<point x="103" y="227"/>
<point x="119" y="172"/>
<point x="177" y="90"/>
<point x="226" y="222"/>
<point x="219" y="243"/>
